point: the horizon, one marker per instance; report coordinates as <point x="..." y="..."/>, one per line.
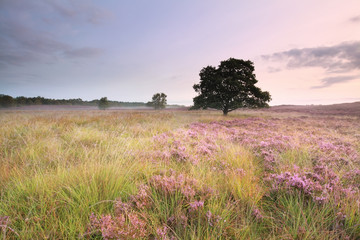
<point x="168" y="104"/>
<point x="127" y="51"/>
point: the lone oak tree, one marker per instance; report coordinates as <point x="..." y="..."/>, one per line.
<point x="228" y="87"/>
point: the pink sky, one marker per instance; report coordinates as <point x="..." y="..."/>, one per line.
<point x="305" y="52"/>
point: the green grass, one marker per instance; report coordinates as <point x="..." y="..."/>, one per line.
<point x="293" y="216"/>
<point x="59" y="167"/>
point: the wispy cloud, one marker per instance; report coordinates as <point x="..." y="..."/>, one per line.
<point x="22" y="43"/>
<point x="329" y="81"/>
<point x="273" y="69"/>
<point x="339" y="58"/>
<point x="85" y="52"/>
<point x="79" y="10"/>
<point x="355" y="19"/>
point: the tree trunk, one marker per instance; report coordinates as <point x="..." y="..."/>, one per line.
<point x="225" y="111"/>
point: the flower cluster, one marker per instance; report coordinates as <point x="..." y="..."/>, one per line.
<point x="290" y="181"/>
<point x="257" y="213"/>
<point x="196" y="205"/>
<point x="212" y="219"/>
<point x="320" y="185"/>
<point x="142" y="198"/>
<point x="329" y="170"/>
<point x="175" y="183"/>
<point x="129" y="221"/>
<point x="123" y="226"/>
<point x="180" y="219"/>
<point x="5" y="226"/>
<point x="162" y="233"/>
<point x="4" y="221"/>
<point x="178" y="152"/>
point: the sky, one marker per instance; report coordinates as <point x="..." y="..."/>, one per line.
<point x="304" y="52"/>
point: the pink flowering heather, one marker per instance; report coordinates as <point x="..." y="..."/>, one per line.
<point x="205" y="148"/>
<point x="212" y="219"/>
<point x="188" y="191"/>
<point x="193" y="134"/>
<point x="307" y="185"/>
<point x="142" y="198"/>
<point x="4" y="221"/>
<point x="196" y="205"/>
<point x="240" y="171"/>
<point x="178" y="152"/>
<point x="5" y="227"/>
<point x="140" y="201"/>
<point x="269" y="159"/>
<point x="340" y="220"/>
<point x="124" y="226"/>
<point x="122" y="207"/>
<point x="257" y="214"/>
<point x="173" y="183"/>
<point x="334" y="174"/>
<point x="181" y="220"/>
<point x="321" y="184"/>
<point x="161" y="138"/>
<point x="162" y="233"/>
<point x="353" y="178"/>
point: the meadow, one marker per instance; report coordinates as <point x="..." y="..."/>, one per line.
<point x="179" y="175"/>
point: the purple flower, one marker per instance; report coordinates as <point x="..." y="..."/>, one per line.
<point x="257" y="214"/>
<point x="193" y="206"/>
<point x="162" y="233"/>
<point x="212" y="219"/>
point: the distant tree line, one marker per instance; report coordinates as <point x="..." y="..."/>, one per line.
<point x="9" y="101"/>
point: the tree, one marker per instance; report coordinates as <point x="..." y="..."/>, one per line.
<point x="20" y="101"/>
<point x="158" y="101"/>
<point x="103" y="103"/>
<point x="6" y="101"/>
<point x="39" y="100"/>
<point x="229" y="87"/>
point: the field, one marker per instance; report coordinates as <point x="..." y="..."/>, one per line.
<point x="92" y="174"/>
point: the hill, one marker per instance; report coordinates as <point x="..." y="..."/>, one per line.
<point x="350" y="109"/>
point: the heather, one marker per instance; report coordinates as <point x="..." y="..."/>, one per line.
<point x="179" y="175"/>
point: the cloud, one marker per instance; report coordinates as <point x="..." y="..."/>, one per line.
<point x="20" y="35"/>
<point x="16" y="58"/>
<point x="339" y="58"/>
<point x="25" y="38"/>
<point x="20" y="45"/>
<point x="355" y="19"/>
<point x="85" y="52"/>
<point x="79" y="10"/>
<point x="273" y="69"/>
<point x="329" y="81"/>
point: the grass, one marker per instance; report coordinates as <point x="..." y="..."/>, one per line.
<point x="204" y="176"/>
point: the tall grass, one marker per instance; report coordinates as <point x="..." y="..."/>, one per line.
<point x="178" y="175"/>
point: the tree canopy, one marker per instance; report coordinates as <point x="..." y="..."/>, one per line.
<point x="103" y="103"/>
<point x="6" y="101"/>
<point x="158" y="101"/>
<point x="229" y="86"/>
